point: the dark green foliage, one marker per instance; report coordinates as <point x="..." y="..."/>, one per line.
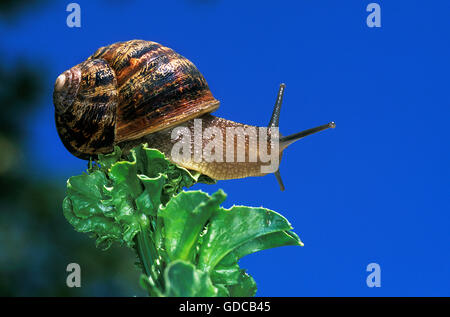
<point x="186" y="243"/>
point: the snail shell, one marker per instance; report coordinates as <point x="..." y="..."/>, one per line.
<point x="125" y="91"/>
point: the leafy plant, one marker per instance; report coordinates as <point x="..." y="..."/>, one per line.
<point x="186" y="243"/>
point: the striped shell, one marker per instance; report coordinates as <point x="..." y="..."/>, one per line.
<point x="125" y="91"/>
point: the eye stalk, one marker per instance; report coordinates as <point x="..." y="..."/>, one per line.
<point x="287" y="140"/>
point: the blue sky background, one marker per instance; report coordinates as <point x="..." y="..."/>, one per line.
<point x="375" y="189"/>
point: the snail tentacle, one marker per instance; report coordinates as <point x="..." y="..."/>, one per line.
<point x="275" y="118"/>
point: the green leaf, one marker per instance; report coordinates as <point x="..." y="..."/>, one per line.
<point x="104" y="229"/>
<point x="187" y="245"/>
<point x="227" y="272"/>
<point x="182" y="279"/>
<point x="246" y="286"/>
<point x="268" y="241"/>
<point x="86" y="194"/>
<point x="222" y="290"/>
<point x="125" y="190"/>
<point x="107" y="160"/>
<point x="150" y="199"/>
<point x="230" y="229"/>
<point x="184" y="219"/>
<point x="226" y="275"/>
<point x="152" y="163"/>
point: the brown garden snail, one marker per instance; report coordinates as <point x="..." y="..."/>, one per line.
<point x="138" y="91"/>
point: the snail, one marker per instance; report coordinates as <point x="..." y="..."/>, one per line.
<point x="140" y="91"/>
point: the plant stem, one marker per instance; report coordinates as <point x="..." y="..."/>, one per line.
<point x="148" y="256"/>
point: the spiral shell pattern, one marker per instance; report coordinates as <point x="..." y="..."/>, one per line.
<point x="125" y="91"/>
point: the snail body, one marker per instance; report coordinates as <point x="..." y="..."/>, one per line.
<point x="220" y="168"/>
<point x="138" y="91"/>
